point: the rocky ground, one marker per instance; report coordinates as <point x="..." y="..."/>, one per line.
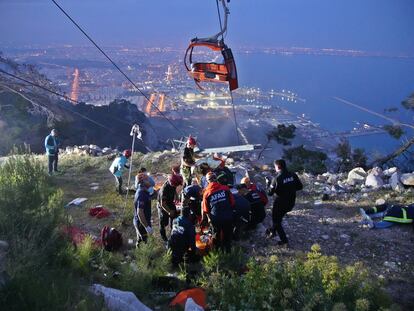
<point x="327" y="213"/>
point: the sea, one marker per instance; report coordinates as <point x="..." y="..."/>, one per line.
<point x="375" y="83"/>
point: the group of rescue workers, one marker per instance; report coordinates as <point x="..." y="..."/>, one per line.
<point x="190" y="206"/>
<point x="213" y="204"/>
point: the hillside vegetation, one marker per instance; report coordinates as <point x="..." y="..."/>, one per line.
<point x="46" y="272"/>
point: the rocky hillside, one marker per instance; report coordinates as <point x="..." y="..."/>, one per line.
<point x="326" y="213"/>
<point x="28" y="113"/>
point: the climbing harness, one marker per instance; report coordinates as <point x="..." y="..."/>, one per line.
<point x="224" y="72"/>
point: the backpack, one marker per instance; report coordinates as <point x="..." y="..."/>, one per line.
<point x="111" y="239"/>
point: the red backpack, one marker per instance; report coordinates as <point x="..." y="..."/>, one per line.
<point x="111" y="239"/>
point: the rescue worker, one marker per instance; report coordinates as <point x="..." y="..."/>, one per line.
<point x="117" y="168"/>
<point x="142" y="209"/>
<point x="218" y="206"/>
<point x="151" y="190"/>
<point x="183" y="238"/>
<point x="283" y="186"/>
<point x="224" y="175"/>
<point x="167" y="210"/>
<point x="204" y="168"/>
<point x="188" y="161"/>
<point x="242" y="209"/>
<point x="257" y="199"/>
<point x="52" y="145"/>
<point x="192" y="198"/>
<point x="390" y="214"/>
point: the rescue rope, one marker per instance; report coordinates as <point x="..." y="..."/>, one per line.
<point x="117" y="67"/>
<point x="235" y="118"/>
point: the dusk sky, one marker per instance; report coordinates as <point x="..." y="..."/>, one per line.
<point x="372" y="25"/>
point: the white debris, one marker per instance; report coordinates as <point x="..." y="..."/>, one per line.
<point x="117" y="300"/>
<point x="407" y="179"/>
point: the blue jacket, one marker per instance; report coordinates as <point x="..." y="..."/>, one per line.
<point x="118" y="166"/>
<point x="183" y="228"/>
<point x="142" y="201"/>
<point x="51" y="145"/>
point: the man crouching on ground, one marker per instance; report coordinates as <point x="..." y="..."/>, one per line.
<point x="182" y="241"/>
<point x="283" y="186"/>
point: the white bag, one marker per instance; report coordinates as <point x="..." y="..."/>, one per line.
<point x="118" y="300"/>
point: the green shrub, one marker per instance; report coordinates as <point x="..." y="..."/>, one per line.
<point x="218" y="261"/>
<point x="315" y="283"/>
<point x="85" y="254"/>
<point x="140" y="274"/>
<point x="300" y="159"/>
<point x="31" y="212"/>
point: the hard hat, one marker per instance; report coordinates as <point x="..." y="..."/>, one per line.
<point x="175" y="180"/>
<point x="245" y="180"/>
<point x="191" y="141"/>
<point x="211" y="177"/>
<point x="54" y="132"/>
<point x="127" y="153"/>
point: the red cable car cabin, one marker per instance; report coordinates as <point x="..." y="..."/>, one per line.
<point x="212" y="72"/>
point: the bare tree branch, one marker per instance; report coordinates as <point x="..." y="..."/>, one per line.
<point x="395" y="154"/>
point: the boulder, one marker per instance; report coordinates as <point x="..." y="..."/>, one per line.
<point x="395" y="182"/>
<point x="321" y="178"/>
<point x="332" y="179"/>
<point x="69" y="150"/>
<point x="407" y="179"/>
<point x="77" y="150"/>
<point x="379" y="202"/>
<point x="357" y="175"/>
<point x="390" y="171"/>
<point x="84" y="147"/>
<point x="342" y="185"/>
<point x="94" y="150"/>
<point x="106" y="151"/>
<point x="374" y="181"/>
<point x="377" y="171"/>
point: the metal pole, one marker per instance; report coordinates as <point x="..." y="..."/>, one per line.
<point x="134" y="132"/>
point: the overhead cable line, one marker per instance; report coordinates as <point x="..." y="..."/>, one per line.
<point x="235" y="118"/>
<point x="116" y="66"/>
<point x="219" y="17"/>
<point x="69" y="99"/>
<point x="231" y="92"/>
<point x="57" y="94"/>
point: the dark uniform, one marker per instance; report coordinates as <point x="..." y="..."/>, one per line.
<point x="182" y="239"/>
<point x="242" y="210"/>
<point x="218" y="203"/>
<point x="166" y="202"/>
<point x="142" y="201"/>
<point x="257" y="207"/>
<point x="284" y="187"/>
<point x="192" y="199"/>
